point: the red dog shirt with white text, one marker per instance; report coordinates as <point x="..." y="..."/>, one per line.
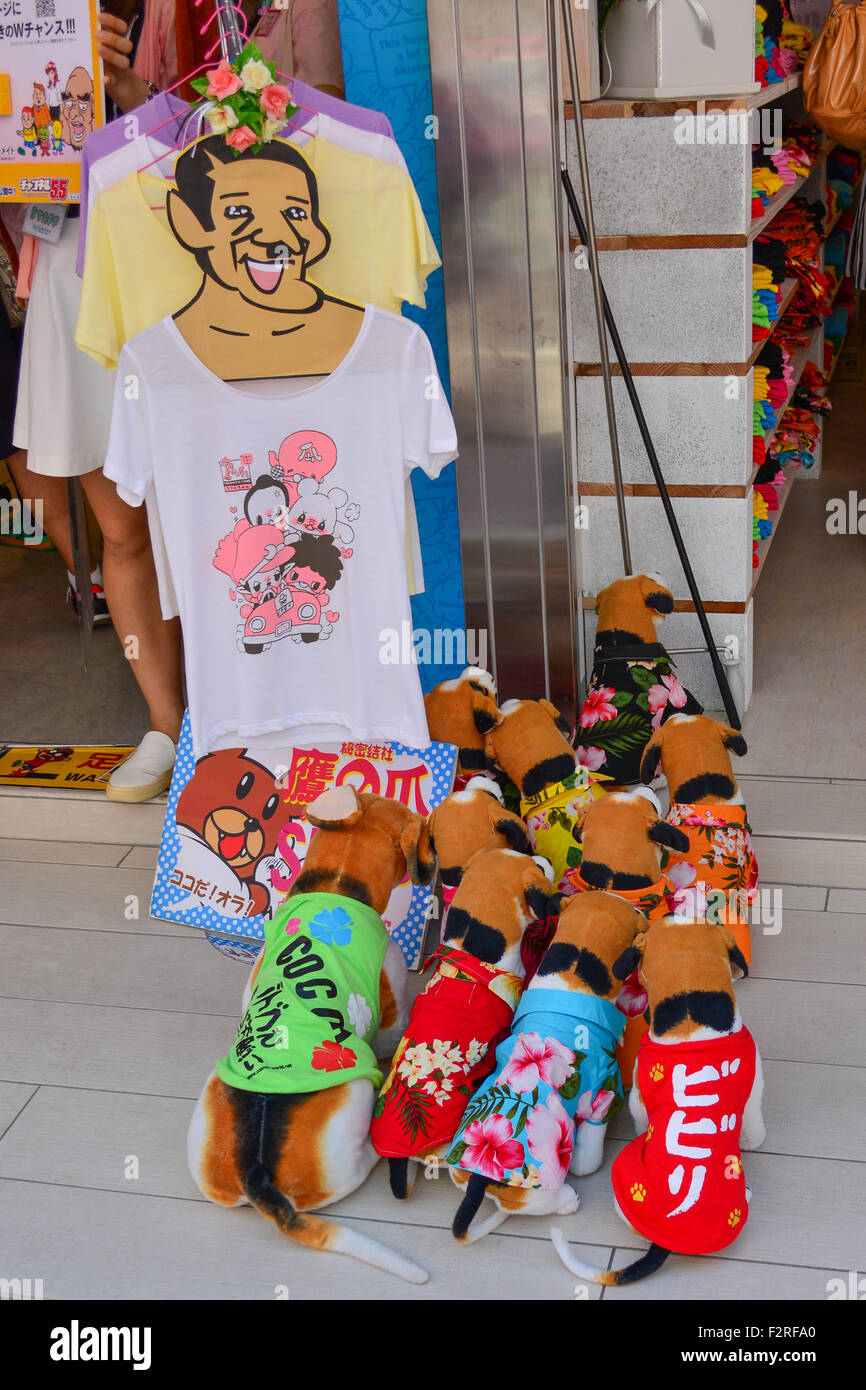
<point x="681" y="1183"/>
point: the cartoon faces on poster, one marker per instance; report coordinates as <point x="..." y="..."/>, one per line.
<point x="77" y="108"/>
<point x="58" y="119"/>
<point x="286" y="555"/>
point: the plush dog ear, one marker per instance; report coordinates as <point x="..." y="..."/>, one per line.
<point x="650" y="758"/>
<point x="515" y="833"/>
<point x="559" y="720"/>
<point x="668" y="835"/>
<point x="734" y="740"/>
<point x="339" y="808"/>
<point x="655" y="595"/>
<point x="630" y="958"/>
<point x="416" y="846"/>
<point x="735" y="955"/>
<point x="539" y="901"/>
<point x="485" y="713"/>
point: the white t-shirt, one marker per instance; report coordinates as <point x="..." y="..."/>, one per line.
<point x="283" y="518"/>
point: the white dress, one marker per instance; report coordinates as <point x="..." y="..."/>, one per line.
<point x="64" y="397"/>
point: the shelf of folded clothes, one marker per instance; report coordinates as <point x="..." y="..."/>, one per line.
<point x="844" y="171"/>
<point x="793" y="449"/>
<point x="781" y="45"/>
<point x="765" y="209"/>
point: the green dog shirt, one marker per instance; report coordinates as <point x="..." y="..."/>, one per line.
<point x="315" y="1006"/>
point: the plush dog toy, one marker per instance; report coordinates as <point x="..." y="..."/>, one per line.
<point x="708" y="806"/>
<point x="557" y="1069"/>
<point x="531" y="747"/>
<point x="450" y="1043"/>
<point x="622" y="837"/>
<point x="632" y="681"/>
<point x="283" y="1122"/>
<point x="696" y="1102"/>
<point x="462" y="712"/>
<point x="469" y="821"/>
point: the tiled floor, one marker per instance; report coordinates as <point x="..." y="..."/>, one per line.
<point x="110" y="1022"/>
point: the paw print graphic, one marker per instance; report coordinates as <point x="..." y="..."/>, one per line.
<point x="657" y="1071"/>
<point x="734" y="1217"/>
<point x="638" y="1192"/>
<point x="734" y="1167"/>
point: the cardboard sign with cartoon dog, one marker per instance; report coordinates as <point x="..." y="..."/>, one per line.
<point x="235" y="835"/>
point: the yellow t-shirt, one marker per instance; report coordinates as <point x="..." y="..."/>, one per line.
<point x="136" y="272"/>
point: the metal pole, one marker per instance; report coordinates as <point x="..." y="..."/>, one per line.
<point x="589" y="240"/>
<point x="718" y="668"/>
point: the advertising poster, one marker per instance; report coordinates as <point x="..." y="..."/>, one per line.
<point x="51" y="97"/>
<point x="235" y="833"/>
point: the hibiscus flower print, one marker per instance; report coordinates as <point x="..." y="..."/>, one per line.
<point x="668" y="691"/>
<point x="534" y="1060"/>
<point x="360" y="1014"/>
<point x="446" y="1057"/>
<point x="416" y="1064"/>
<point x="590" y="758"/>
<point x="330" y="1056"/>
<point x="597" y="708"/>
<point x="595" y="1108"/>
<point x="632" y="998"/>
<point x="550" y="1136"/>
<point x="490" y="1147"/>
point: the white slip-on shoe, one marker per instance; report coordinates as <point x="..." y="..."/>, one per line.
<point x="146" y="772"/>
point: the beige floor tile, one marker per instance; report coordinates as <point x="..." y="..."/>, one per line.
<point x="809" y="1109"/>
<point x="13" y="1097"/>
<point x="120" y="969"/>
<point x="792" y="1218"/>
<point x="801" y="897"/>
<point x="142" y="857"/>
<point x="85" y="1138"/>
<point x="816" y="810"/>
<point x="825" y="946"/>
<point x="87" y="817"/>
<point x="157" y="1053"/>
<point x="90" y="1244"/>
<point x="61" y="852"/>
<point x="841" y="863"/>
<point x="846" y="900"/>
<point x="798" y="1022"/>
<point x="77" y="896"/>
<point x="686" y="1279"/>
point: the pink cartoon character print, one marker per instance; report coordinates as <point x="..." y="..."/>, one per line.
<point x="313" y="571"/>
<point x="322" y="514"/>
<point x="256" y="558"/>
<point x="304" y="454"/>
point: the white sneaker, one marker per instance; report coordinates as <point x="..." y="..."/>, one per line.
<point x="146" y="772"/>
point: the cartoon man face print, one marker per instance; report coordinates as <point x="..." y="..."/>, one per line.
<point x="252" y="224"/>
<point x="76" y="111"/>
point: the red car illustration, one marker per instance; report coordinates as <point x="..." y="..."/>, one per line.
<point x="295" y="613"/>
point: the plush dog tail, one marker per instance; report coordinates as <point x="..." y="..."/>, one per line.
<point x="475" y="1190"/>
<point x="398" y="1176"/>
<point x="319" y="1234"/>
<point x="648" y="1263"/>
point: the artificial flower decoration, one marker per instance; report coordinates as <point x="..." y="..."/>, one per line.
<point x="250" y="106"/>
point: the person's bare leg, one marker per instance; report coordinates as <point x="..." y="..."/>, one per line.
<point x="51" y="492"/>
<point x="130" y="584"/>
